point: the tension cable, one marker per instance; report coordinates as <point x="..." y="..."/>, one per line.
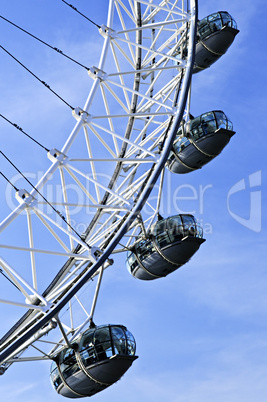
<point x="35" y="76"/>
<point x="15" y="188"/>
<point x="44" y="43"/>
<point x="22" y="131"/>
<point x="49" y="203"/>
<point x="75" y="9"/>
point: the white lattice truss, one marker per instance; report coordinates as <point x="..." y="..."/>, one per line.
<point x="110" y="161"/>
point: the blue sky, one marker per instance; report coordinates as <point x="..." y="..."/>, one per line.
<point x="200" y="332"/>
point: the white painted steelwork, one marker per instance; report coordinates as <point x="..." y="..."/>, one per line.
<point x="113" y="157"/>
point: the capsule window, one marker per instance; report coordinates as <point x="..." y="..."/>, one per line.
<point x="102" y="343"/>
<point x="196" y="128"/>
<point x="216" y="25"/>
<point x="131" y="345"/>
<point x="195" y="123"/>
<point x="202" y="23"/>
<point x="175" y="228"/>
<point x="221" y="120"/>
<point x="189" y="225"/>
<point x="229" y="125"/>
<point x="144" y="248"/>
<point x="160" y="227"/>
<point x="54" y="376"/>
<point x="233" y="24"/>
<point x="163" y="239"/>
<point x="161" y="234"/>
<point x="204" y="28"/>
<point x="215" y="22"/>
<point x="213" y="17"/>
<point x="87" y="350"/>
<point x="119" y="341"/>
<point x="199" y="231"/>
<point x="228" y="20"/>
<point x="87" y="339"/>
<point x="207" y="116"/>
<point x="208" y="123"/>
<point x="209" y="127"/>
<point x="132" y="261"/>
<point x="69" y="365"/>
<point x="181" y="144"/>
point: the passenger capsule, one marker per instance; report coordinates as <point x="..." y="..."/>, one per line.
<point x="98" y="358"/>
<point x="215" y="35"/>
<point x="199" y="141"/>
<point x="170" y="243"/>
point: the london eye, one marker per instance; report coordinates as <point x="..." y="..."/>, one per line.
<point x="135" y="124"/>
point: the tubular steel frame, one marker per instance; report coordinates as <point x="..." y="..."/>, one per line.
<point x="144" y="97"/>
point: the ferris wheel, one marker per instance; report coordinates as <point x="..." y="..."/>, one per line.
<point x="135" y="124"/>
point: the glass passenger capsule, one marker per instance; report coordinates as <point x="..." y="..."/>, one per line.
<point x="99" y="358"/>
<point x="170" y="243"/>
<point x="215" y="35"/>
<point x="199" y="141"/>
